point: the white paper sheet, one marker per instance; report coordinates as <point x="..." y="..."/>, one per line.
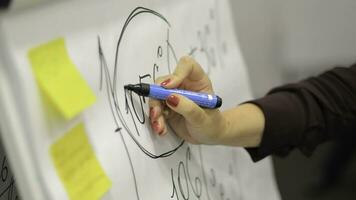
<point x="140" y="164"/>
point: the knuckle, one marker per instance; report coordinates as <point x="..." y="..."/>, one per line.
<point x="186" y="60"/>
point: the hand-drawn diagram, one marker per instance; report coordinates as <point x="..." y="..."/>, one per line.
<point x="8" y="188"/>
<point x="134" y="105"/>
<point x="130" y="117"/>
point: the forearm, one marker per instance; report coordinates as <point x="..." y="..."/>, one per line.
<point x="305" y="114"/>
<point x="245" y="125"/>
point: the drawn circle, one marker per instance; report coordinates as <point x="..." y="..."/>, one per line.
<point x="138" y="118"/>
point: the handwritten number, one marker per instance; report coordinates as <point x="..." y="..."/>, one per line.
<point x="180" y="168"/>
<point x="159" y="52"/>
<point x="174" y="192"/>
<point x="4" y="170"/>
<point x="11" y="187"/>
<point x="213" y="179"/>
<point x="110" y="80"/>
<point x="197" y="187"/>
<point x="155" y="69"/>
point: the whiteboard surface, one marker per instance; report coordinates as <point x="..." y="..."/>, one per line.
<point x="140" y="164"/>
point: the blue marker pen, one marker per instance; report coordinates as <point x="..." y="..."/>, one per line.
<point x="155" y="91"/>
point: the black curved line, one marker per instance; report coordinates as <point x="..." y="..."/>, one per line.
<point x="112" y="87"/>
<point x="174" y="189"/>
<point x="142" y="121"/>
<point x="170" y="49"/>
<point x="155" y="69"/>
<point x="204" y="174"/>
<point x="103" y="66"/>
<point x="130" y="17"/>
<point x="196" y="190"/>
<point x="159" y="52"/>
<point x="181" y="164"/>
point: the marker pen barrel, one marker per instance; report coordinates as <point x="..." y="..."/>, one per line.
<point x="155" y="91"/>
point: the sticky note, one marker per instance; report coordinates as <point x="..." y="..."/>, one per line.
<point x="59" y="78"/>
<point x="78" y="167"/>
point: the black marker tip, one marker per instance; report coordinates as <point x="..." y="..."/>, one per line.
<point x="127" y="87"/>
<point x="140" y="89"/>
<point x="130" y="87"/>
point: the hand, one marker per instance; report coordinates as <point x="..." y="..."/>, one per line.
<point x="189" y="121"/>
<point x="195" y="124"/>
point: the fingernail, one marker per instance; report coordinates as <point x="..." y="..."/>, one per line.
<point x="164" y="83"/>
<point x="155" y="126"/>
<point x="173" y="100"/>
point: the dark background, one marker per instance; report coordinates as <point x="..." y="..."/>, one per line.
<point x="299" y="177"/>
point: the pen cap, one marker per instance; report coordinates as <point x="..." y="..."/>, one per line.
<point x="219" y="102"/>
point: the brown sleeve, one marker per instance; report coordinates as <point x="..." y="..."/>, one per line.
<point x="305" y="114"/>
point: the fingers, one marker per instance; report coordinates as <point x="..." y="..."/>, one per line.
<point x="156" y="117"/>
<point x="183" y="109"/>
<point x="187" y="68"/>
<point x="187" y="73"/>
<point x="193" y="114"/>
<point x="156" y="113"/>
<point x="159" y="126"/>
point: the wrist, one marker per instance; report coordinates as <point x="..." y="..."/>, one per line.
<point x="244" y="126"/>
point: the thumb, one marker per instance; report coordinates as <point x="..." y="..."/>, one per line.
<point x="192" y="113"/>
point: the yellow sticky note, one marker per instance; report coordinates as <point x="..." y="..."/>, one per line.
<point x="59" y="78"/>
<point x="77" y="166"/>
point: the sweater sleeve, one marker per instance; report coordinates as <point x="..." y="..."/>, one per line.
<point x="4" y="4"/>
<point x="303" y="115"/>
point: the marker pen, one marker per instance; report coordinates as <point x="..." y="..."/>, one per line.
<point x="155" y="91"/>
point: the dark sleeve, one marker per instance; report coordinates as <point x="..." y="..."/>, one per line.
<point x="4" y="4"/>
<point x="305" y="114"/>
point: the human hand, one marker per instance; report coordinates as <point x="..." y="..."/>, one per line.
<point x="189" y="121"/>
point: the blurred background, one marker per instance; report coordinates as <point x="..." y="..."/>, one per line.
<point x="285" y="41"/>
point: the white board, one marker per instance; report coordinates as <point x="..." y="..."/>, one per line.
<point x="140" y="164"/>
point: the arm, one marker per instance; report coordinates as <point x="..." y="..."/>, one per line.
<point x="240" y="126"/>
<point x="298" y="115"/>
<point x="314" y="110"/>
<point x="246" y="123"/>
